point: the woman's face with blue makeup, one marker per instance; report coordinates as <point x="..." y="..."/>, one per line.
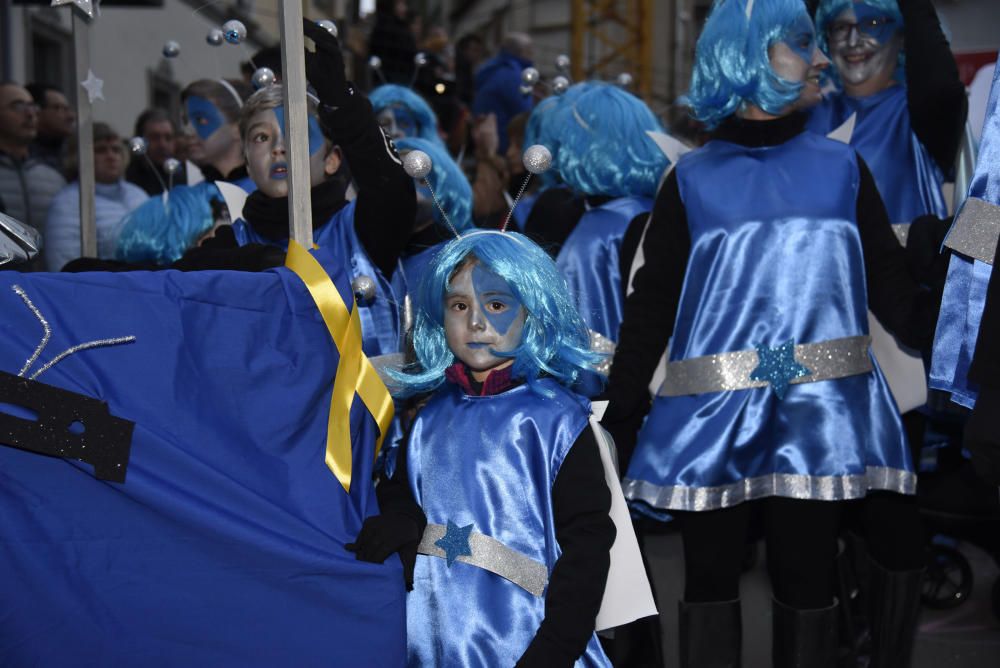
<point x="482" y="315"/>
<point x="267" y="155"/>
<point x="864" y="46"/>
<point x="397" y="121"/>
<point x="796" y="57"/>
<point x="212" y="136"/>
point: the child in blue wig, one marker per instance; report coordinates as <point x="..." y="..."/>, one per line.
<point x="908" y="120"/>
<point x="163" y="228"/>
<point x="403" y="113"/>
<point x="762" y="250"/>
<point x="503" y="465"/>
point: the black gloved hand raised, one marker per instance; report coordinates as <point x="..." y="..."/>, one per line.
<point x="381" y="535"/>
<point x="325" y="67"/>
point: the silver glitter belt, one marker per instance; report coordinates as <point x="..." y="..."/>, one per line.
<point x="493" y="556"/>
<point x="976" y="231"/>
<point x="836" y="358"/>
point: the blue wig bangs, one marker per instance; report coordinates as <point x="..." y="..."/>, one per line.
<point x="554" y="340"/>
<point x="828" y="10"/>
<point x="162" y="228"/>
<point x="732" y="65"/>
<point x="603" y="148"/>
<point x="450" y="185"/>
<point x="388" y="96"/>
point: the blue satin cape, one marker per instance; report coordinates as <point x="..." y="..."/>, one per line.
<point x="380" y="318"/>
<point x="490" y="462"/>
<point x="907" y="178"/>
<point x="225" y="544"/>
<point x="775" y="259"/>
<point x="964" y="295"/>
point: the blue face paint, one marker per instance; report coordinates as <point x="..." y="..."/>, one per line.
<point x="406" y="124"/>
<point x="874" y="22"/>
<point x="203" y="116"/>
<point x="801" y="38"/>
<point x="496" y="299"/>
<point x="316" y="139"/>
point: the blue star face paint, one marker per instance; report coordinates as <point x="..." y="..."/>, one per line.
<point x="482" y="317"/>
<point x="864" y="44"/>
<point x="398" y="122"/>
<point x="801" y="38"/>
<point x="316" y="139"/>
<point x="203" y="116"/>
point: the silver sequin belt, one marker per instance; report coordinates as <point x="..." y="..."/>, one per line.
<point x="827" y="360"/>
<point x="493" y="556"/>
<point x="977" y="230"/>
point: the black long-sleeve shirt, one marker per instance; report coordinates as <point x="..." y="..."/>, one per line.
<point x="901" y="305"/>
<point x="581" y="503"/>
<point x="935" y="93"/>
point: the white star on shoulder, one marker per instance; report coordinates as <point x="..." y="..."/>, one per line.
<point x="93" y="86"/>
<point x="85" y="6"/>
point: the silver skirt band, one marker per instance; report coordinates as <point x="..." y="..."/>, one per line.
<point x="789" y="485"/>
<point x="976" y="231"/>
<point x="902" y="232"/>
<point x="724" y="372"/>
<point x="493" y="556"/>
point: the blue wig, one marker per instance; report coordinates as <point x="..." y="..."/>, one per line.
<point x="732" y="67"/>
<point x="543" y="128"/>
<point x="450" y="185"/>
<point x="391" y="96"/>
<point x="828" y="10"/>
<point x="602" y="146"/>
<point x="163" y="228"/>
<point x="554" y="339"/>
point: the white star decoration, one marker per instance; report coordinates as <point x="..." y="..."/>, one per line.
<point x="85" y="6"/>
<point x="93" y="86"/>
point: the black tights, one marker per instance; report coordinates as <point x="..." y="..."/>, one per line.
<point x="801" y="539"/>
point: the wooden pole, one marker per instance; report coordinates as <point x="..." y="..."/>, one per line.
<point x="85" y="136"/>
<point x="296" y="116"/>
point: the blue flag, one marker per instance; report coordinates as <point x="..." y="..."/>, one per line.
<point x="225" y="544"/>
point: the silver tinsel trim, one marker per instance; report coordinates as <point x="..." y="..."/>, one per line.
<point x="976" y="231"/>
<point x="45" y="328"/>
<point x="789" y="485"/>
<point x="100" y="343"/>
<point x="493" y="556"/>
<point x="602" y="344"/>
<point x="725" y="372"/>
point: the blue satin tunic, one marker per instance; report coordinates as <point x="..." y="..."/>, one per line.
<point x="380" y="318"/>
<point x="589" y="260"/>
<point x="490" y="462"/>
<point x="775" y="256"/>
<point x="907" y="177"/>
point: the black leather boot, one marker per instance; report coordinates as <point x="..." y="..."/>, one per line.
<point x="894" y="599"/>
<point x="710" y="634"/>
<point x="804" y="638"/>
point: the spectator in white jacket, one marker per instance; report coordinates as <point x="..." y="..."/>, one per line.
<point x="113" y="198"/>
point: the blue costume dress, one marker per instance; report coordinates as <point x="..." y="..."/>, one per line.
<point x="380" y="317"/>
<point x="487" y="465"/>
<point x="973" y="240"/>
<point x="775" y="262"/>
<point x="907" y="177"/>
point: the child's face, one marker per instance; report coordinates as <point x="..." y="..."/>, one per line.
<point x="482" y="316"/>
<point x="211" y="135"/>
<point x="267" y="159"/>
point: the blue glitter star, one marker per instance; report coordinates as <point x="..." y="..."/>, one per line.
<point x="778" y="367"/>
<point x="455" y="542"/>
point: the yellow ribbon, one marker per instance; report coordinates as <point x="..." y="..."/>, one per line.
<point x="355" y="373"/>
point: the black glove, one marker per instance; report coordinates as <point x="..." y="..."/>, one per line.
<point x="252" y="257"/>
<point x="982" y="435"/>
<point x="325" y="67"/>
<point x="381" y="535"/>
<point x="924" y="257"/>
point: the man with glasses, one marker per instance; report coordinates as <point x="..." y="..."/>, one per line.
<point x="27" y="185"/>
<point x="56" y="124"/>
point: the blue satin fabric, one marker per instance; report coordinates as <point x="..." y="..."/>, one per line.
<point x="907" y="178"/>
<point x="964" y="295"/>
<point x="225" y="544"/>
<point x="490" y="462"/>
<point x="778" y="258"/>
<point x="380" y="318"/>
<point x="589" y="260"/>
